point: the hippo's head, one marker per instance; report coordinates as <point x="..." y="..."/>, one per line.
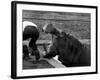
<point x="49" y="28"/>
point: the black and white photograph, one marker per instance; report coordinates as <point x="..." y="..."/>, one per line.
<point x="63" y="37"/>
<point x="53" y="39"/>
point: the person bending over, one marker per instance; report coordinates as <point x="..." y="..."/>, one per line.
<point x="30" y="30"/>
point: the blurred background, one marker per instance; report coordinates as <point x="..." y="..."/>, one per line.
<point x="76" y="24"/>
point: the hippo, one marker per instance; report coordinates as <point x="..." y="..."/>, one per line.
<point x="70" y="51"/>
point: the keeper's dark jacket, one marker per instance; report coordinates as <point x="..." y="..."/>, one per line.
<point x="31" y="31"/>
<point x="70" y="51"/>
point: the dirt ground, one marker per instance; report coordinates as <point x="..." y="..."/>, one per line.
<point x="41" y="64"/>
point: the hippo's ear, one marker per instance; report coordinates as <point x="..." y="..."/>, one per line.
<point x="44" y="27"/>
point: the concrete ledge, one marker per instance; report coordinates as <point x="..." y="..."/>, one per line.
<point x="54" y="63"/>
